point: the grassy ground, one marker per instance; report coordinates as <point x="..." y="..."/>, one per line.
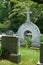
<point x="28" y="57"/>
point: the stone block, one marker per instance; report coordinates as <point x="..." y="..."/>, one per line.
<point x="15" y="58"/>
<point x="10" y="48"/>
<point x="41" y="53"/>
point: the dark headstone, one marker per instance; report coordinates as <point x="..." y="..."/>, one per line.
<point x="10" y="43"/>
<point x="41" y="53"/>
<point x="10" y="46"/>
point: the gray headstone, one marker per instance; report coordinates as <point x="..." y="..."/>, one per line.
<point x="29" y="26"/>
<point x="9" y="32"/>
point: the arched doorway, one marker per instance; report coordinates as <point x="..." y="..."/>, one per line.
<point x="28" y="38"/>
<point x="27" y="34"/>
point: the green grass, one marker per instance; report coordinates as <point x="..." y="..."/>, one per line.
<point x="28" y="57"/>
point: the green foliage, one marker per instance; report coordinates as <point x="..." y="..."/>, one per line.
<point x="39" y="23"/>
<point x="5" y="26"/>
<point x="15" y="12"/>
<point x="37" y="12"/>
<point x="41" y="38"/>
<point x="3" y="11"/>
<point x="17" y="16"/>
<point x="4" y="52"/>
<point x="28" y="42"/>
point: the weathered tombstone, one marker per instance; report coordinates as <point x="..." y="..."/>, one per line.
<point x="41" y="53"/>
<point x="10" y="47"/>
<point x="10" y="32"/>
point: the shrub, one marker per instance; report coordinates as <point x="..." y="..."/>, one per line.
<point x="28" y="42"/>
<point x="41" y="38"/>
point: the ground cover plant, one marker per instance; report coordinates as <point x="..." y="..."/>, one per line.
<point x="41" y="38"/>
